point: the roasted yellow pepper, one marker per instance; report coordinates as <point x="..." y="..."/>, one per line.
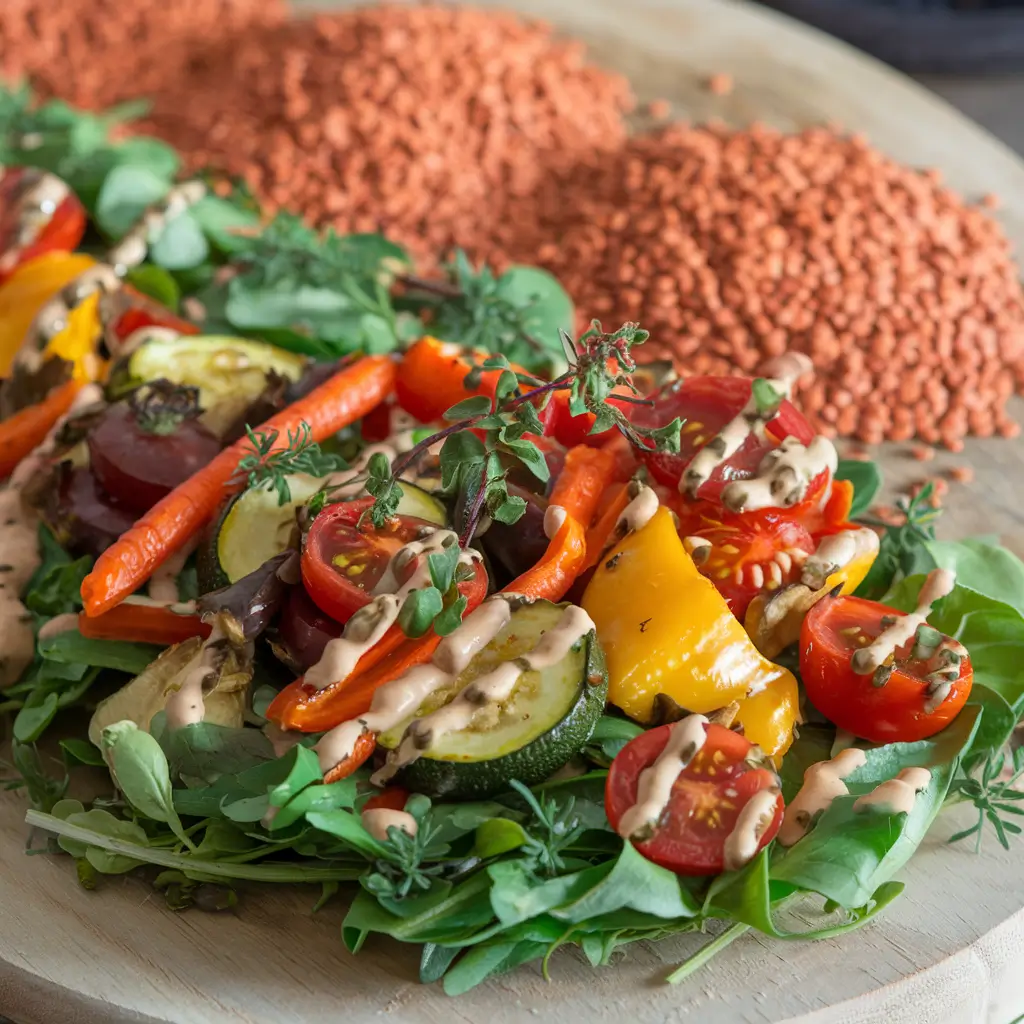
<point x="28" y="289"/>
<point x="665" y="629"/>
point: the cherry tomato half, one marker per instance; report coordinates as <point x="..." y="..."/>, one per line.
<point x="571" y="430"/>
<point x="392" y="798"/>
<point x="30" y="222"/>
<point x="833" y="631"/>
<point x="707" y="404"/>
<point x="706" y="798"/>
<point x="344" y="559"/>
<point x="138" y="466"/>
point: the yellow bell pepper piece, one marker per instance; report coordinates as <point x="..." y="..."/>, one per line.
<point x="77" y="343"/>
<point x="27" y="290"/>
<point x="665" y="629"/>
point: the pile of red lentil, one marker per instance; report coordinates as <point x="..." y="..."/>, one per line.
<point x="450" y="127"/>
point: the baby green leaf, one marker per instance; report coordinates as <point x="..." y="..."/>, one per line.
<point x="448" y="620"/>
<point x="419" y="610"/>
<point x="468" y="408"/>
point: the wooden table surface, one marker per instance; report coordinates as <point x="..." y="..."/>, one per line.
<point x="949" y="951"/>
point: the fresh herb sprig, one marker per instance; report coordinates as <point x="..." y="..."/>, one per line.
<point x="404" y="871"/>
<point x="558" y="827"/>
<point x="439" y="605"/>
<point x="600" y="363"/>
<point x="269" y="464"/>
<point x="981" y="782"/>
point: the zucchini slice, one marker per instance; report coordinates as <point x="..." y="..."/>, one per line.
<point x="252" y="528"/>
<point x="229" y="372"/>
<point x="544" y="724"/>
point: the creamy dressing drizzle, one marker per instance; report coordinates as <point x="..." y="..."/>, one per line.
<point x="783" y="476"/>
<point x="938" y="584"/>
<point x="373" y="620"/>
<point x="730" y="438"/>
<point x="836" y="552"/>
<point x="897" y="796"/>
<point x="823" y="783"/>
<point x="554" y="517"/>
<point x="133" y="247"/>
<point x="163" y="584"/>
<point x="494" y="687"/>
<point x="186" y="705"/>
<point x="751" y="824"/>
<point x="377" y="821"/>
<point x="638" y="513"/>
<point x="19" y="547"/>
<point x="178" y="607"/>
<point x="655" y="784"/>
<point x="38" y="196"/>
<point x="351" y="482"/>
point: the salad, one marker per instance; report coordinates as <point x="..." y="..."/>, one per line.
<point x="318" y="571"/>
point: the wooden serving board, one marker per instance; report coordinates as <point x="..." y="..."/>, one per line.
<point x="951" y="951"/>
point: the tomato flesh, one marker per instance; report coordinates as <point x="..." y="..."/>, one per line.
<point x="833" y="631"/>
<point x="705" y="802"/>
<point x="707" y="404"/>
<point x="344" y="559"/>
<point x="137" y="467"/>
<point x="60" y="229"/>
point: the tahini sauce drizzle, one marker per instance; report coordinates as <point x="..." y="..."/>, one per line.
<point x="372" y="621"/>
<point x="836" y="552"/>
<point x="638" y="513"/>
<point x="186" y="705"/>
<point x="395" y="701"/>
<point x="163" y="584"/>
<point x="729" y="439"/>
<point x="554" y="517"/>
<point x="783" y="475"/>
<point x="656" y="781"/>
<point x="19" y="548"/>
<point x="938" y="584"/>
<point x="897" y="796"/>
<point x="751" y="824"/>
<point x="823" y="783"/>
<point x="133" y="247"/>
<point x="494" y="687"/>
<point x="38" y="196"/>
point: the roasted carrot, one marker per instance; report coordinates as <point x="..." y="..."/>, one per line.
<point x="143" y="623"/>
<point x="165" y="528"/>
<point x="586" y="474"/>
<point x="27" y="428"/>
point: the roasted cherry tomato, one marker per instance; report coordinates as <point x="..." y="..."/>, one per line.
<point x="392" y="798"/>
<point x="144" y="312"/>
<point x="38" y="214"/>
<point x="705" y="802"/>
<point x="707" y="404"/>
<point x="139" y="459"/>
<point x="907" y="706"/>
<point x="305" y="630"/>
<point x="344" y="559"/>
<point x="571" y="430"/>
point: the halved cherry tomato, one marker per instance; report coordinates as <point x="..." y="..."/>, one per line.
<point x="743" y="554"/>
<point x="344" y="559"/>
<point x="571" y="430"/>
<point x="707" y="404"/>
<point x="139" y="466"/>
<point x="833" y="631"/>
<point x="27" y="228"/>
<point x="706" y="798"/>
<point x="145" y="312"/>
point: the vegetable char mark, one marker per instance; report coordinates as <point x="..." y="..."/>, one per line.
<point x="656" y="781"/>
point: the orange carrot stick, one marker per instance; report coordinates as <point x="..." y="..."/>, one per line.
<point x="27" y="428"/>
<point x="168" y="525"/>
<point x="143" y="623"/>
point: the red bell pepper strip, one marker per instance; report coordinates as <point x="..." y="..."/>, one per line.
<point x="299" y="706"/>
<point x="143" y="623"/>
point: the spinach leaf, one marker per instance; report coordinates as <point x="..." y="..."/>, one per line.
<point x="203" y="752"/>
<point x="71" y="648"/>
<point x="866" y="478"/>
<point x="983" y="566"/>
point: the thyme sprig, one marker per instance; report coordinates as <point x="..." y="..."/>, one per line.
<point x="556" y="827"/>
<point x="490" y="436"/>
<point x="269" y="463"/>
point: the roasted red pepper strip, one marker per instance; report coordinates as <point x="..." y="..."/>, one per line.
<point x="27" y="429"/>
<point x="299" y="706"/>
<point x="586" y="474"/>
<point x="143" y="623"/>
<point x="145" y="312"/>
<point x="554" y="574"/>
<point x="431" y="378"/>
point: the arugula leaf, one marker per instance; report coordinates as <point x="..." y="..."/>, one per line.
<point x="866" y="478"/>
<point x="71" y="648"/>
